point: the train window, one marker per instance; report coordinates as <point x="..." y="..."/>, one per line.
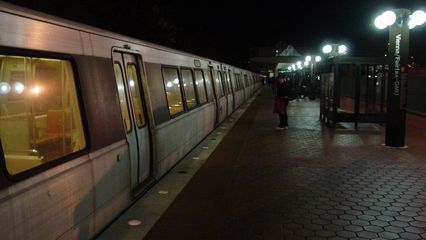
<point x="40" y="117"/>
<point x="122" y="96"/>
<point x="189" y="88"/>
<point x="209" y="86"/>
<point x="218" y="84"/>
<point x="133" y="82"/>
<point x="200" y="83"/>
<point x="173" y="90"/>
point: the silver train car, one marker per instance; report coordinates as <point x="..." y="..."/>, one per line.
<point x="90" y="119"/>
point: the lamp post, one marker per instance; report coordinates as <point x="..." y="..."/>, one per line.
<point x="334" y="50"/>
<point x="311" y="61"/>
<point x="400" y="21"/>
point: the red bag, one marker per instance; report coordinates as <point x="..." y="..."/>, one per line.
<point x="279" y="105"/>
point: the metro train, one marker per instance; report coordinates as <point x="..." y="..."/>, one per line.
<point x="90" y="119"/>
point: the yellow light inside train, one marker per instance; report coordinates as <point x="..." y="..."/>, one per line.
<point x="18" y="87"/>
<point x="169" y="84"/>
<point x="36" y="90"/>
<point x="132" y="83"/>
<point x="4" y="88"/>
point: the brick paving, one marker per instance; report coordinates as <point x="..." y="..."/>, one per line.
<point x="307" y="182"/>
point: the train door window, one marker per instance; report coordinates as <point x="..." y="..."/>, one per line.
<point x="238" y="81"/>
<point x="218" y="84"/>
<point x="246" y="83"/>
<point x="122" y="96"/>
<point x="189" y="88"/>
<point x="230" y="81"/>
<point x="173" y="90"/>
<point x="226" y="83"/>
<point x="40" y="117"/>
<point x="209" y="86"/>
<point x="133" y="82"/>
<point x="242" y="81"/>
<point x="200" y="84"/>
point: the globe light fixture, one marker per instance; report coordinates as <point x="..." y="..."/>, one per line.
<point x="327" y="49"/>
<point x="334" y="50"/>
<point x="132" y="83"/>
<point x="342" y="49"/>
<point x="308" y="58"/>
<point x="416" y="19"/>
<point x="318" y="59"/>
<point x="399" y="21"/>
<point x="18" y="87"/>
<point x="4" y="88"/>
<point x="36" y="90"/>
<point x="386" y="19"/>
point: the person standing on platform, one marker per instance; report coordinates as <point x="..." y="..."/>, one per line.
<point x="281" y="102"/>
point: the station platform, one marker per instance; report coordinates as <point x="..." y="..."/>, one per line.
<point x="306" y="182"/>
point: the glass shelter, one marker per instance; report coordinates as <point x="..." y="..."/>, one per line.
<point x="353" y="89"/>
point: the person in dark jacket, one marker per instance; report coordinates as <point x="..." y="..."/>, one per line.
<point x="281" y="102"/>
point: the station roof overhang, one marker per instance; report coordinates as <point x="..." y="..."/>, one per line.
<point x="276" y="60"/>
<point x="278" y="63"/>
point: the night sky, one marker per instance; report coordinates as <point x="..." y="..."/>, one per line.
<point x="226" y="31"/>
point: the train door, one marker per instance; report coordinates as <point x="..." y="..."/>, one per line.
<point x="220" y="96"/>
<point x="243" y="87"/>
<point x="128" y="76"/>
<point x="211" y="91"/>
